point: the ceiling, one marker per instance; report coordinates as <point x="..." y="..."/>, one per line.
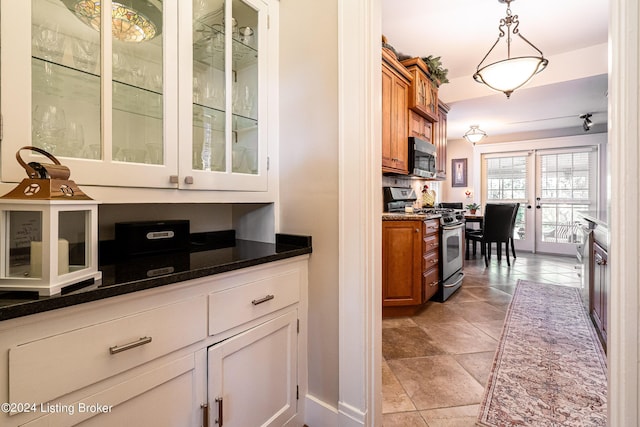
<point x="572" y="34"/>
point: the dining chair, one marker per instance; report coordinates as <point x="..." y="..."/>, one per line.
<point x="497" y="227"/>
<point x="513" y="226"/>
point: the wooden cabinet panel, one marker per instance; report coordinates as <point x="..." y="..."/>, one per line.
<point x="420" y="127"/>
<point x="410" y="264"/>
<point x="395" y="115"/>
<point x="600" y="291"/>
<point x="423" y="93"/>
<point x="401" y="263"/>
<point x="440" y="141"/>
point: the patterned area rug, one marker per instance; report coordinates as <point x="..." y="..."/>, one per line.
<point x="549" y="368"/>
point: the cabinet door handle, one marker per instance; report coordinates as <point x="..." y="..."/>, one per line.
<point x="263" y="299"/>
<point x="433" y="245"/>
<point x="219" y="402"/>
<point x="433" y="261"/>
<point x="120" y="348"/>
<point x="205" y="414"/>
<point x="432" y="284"/>
<point x="417" y="230"/>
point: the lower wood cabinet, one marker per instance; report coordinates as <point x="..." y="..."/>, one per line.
<point x="410" y="265"/>
<point x="158" y="358"/>
<point x="600" y="291"/>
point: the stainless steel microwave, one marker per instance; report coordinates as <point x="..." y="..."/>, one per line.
<point x="422" y="158"/>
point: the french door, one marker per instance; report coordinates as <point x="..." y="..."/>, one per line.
<point x="551" y="187"/>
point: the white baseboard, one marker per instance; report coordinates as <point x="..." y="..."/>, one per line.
<point x="350" y="416"/>
<point x="318" y="413"/>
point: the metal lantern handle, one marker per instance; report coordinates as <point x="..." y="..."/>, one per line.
<point x="37" y="170"/>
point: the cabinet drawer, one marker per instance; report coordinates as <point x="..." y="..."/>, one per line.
<point x="431" y="227"/>
<point x="430" y="280"/>
<point x="430" y="259"/>
<point x="42" y="370"/>
<point x="241" y="304"/>
<point x="431" y="243"/>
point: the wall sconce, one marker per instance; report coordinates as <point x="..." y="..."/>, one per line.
<point x="49" y="231"/>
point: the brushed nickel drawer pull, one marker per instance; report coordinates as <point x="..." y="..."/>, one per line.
<point x="120" y="348"/>
<point x="219" y="402"/>
<point x="261" y="300"/>
<point x="433" y="283"/>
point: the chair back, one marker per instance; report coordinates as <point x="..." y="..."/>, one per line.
<point x="450" y="205"/>
<point x="513" y="219"/>
<point x="498" y="221"/>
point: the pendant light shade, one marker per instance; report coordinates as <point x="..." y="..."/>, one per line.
<point x="131" y="20"/>
<point x="509" y="74"/>
<point x="475" y="134"/>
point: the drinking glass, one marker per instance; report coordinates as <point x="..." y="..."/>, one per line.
<point x="85" y="54"/>
<point x="247" y="101"/>
<point x="48" y="127"/>
<point x="49" y="42"/>
<point x="75" y="139"/>
<point x="246" y="35"/>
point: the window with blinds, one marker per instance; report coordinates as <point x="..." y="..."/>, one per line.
<point x="506" y="178"/>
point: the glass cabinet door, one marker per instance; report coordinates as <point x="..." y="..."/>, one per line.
<point x="91" y="88"/>
<point x="228" y="144"/>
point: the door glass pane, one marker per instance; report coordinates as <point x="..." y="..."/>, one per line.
<point x="65" y="66"/>
<point x="137" y="86"/>
<point x="507" y="183"/>
<point x="209" y="78"/>
<point x="567" y="185"/>
<point x="244" y="29"/>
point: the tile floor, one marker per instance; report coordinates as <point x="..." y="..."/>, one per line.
<point x="436" y="363"/>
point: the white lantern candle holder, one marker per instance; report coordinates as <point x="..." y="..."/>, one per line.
<point x="49" y="232"/>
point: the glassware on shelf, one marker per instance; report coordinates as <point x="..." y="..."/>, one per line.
<point x="85" y="55"/>
<point x="48" y="127"/>
<point x="133" y="155"/>
<point x="74" y="140"/>
<point x="154" y="153"/>
<point x="246" y="35"/>
<point x="247" y="101"/>
<point x="120" y="66"/>
<point x="50" y="42"/>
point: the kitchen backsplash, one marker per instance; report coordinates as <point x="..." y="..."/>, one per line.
<point x="416" y="184"/>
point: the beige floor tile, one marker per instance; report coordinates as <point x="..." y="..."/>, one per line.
<point x="403" y="419"/>
<point x="458" y="416"/>
<point x="479" y="311"/>
<point x="394" y="398"/>
<point x="399" y="343"/>
<point x="477" y="364"/>
<point x="437" y="312"/>
<point x="492" y="328"/>
<point x="397" y="322"/>
<point x="462" y="337"/>
<point x="436" y="382"/>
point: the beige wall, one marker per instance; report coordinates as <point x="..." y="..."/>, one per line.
<point x="459" y="149"/>
<point x="309" y="169"/>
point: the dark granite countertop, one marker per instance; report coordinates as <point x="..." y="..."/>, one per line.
<point x="140" y="273"/>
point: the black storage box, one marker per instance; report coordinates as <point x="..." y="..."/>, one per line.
<point x="150" y="237"/>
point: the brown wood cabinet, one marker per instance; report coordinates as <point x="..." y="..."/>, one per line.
<point x="440" y="141"/>
<point x="410" y="265"/>
<point x="423" y="93"/>
<point x="420" y="127"/>
<point x="600" y="291"/>
<point x="395" y="114"/>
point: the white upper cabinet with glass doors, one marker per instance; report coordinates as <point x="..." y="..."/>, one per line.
<point x="98" y="90"/>
<point x="137" y="93"/>
<point x="224" y="116"/>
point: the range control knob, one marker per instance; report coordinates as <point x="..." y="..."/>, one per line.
<point x="448" y="219"/>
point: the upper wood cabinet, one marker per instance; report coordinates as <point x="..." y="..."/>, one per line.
<point x="395" y="114"/>
<point x="440" y="141"/>
<point x="423" y="93"/>
<point x="420" y="127"/>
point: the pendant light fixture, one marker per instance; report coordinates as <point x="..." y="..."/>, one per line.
<point x="509" y="74"/>
<point x="475" y="134"/>
<point x="131" y="20"/>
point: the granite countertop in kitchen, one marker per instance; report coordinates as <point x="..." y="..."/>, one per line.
<point x="406" y="216"/>
<point x="599" y="218"/>
<point x="121" y="277"/>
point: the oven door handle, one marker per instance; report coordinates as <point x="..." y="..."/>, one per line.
<point x="452" y="227"/>
<point x="456" y="283"/>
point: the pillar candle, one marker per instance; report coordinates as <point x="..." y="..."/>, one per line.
<point x="36" y="258"/>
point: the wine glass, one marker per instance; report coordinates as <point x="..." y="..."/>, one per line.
<point x="75" y="139"/>
<point x="85" y="54"/>
<point x="48" y="127"/>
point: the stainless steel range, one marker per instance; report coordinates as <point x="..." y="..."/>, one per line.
<point x="451" y="255"/>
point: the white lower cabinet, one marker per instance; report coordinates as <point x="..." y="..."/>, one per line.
<point x="156" y="358"/>
<point x="252" y="378"/>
